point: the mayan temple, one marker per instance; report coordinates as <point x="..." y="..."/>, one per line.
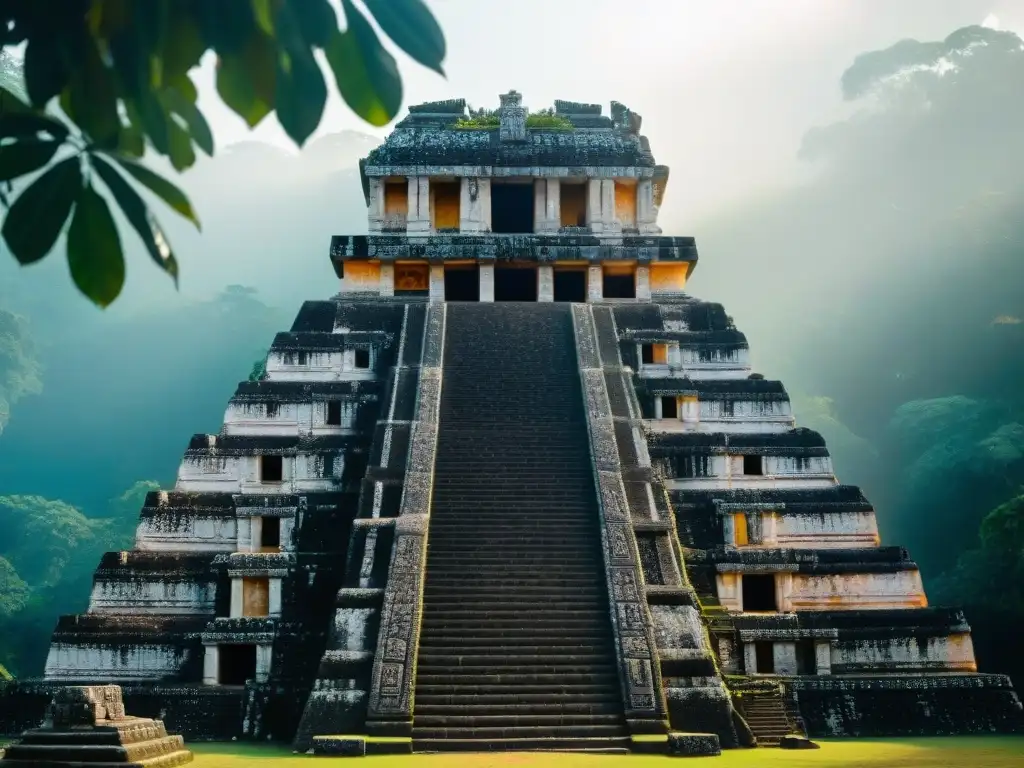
<point x="513" y="488"/>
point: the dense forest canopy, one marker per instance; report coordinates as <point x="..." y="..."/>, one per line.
<point x="887" y="290"/>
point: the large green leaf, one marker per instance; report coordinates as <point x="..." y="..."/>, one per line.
<point x="316" y="20"/>
<point x="94" y="249"/>
<point x="139" y="216"/>
<point x="365" y="73"/>
<point x="161" y="187"/>
<point x="300" y="92"/>
<point x="10" y="103"/>
<point x="25" y="124"/>
<point x="181" y="153"/>
<point x="245" y="79"/>
<point x="45" y="75"/>
<point x="198" y="128"/>
<point x="25" y="157"/>
<point x="413" y="28"/>
<point x="154" y="120"/>
<point x="34" y="221"/>
<point x="93" y="94"/>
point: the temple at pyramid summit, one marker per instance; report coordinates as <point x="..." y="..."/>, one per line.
<point x="513" y="488"/>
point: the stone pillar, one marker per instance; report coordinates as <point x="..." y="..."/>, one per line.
<point x="643" y="282"/>
<point x="211" y="663"/>
<point x="769" y="528"/>
<point x="546" y="205"/>
<point x="823" y="657"/>
<point x="646" y="210"/>
<point x="487" y="282"/>
<point x="274" y="603"/>
<point x="237" y="597"/>
<point x="545" y="283"/>
<point x="264" y="656"/>
<point x="255" y="533"/>
<point x="387" y="279"/>
<point x="657" y="407"/>
<point x="749" y="658"/>
<point x="610" y="221"/>
<point x="595" y="283"/>
<point x="244" y="530"/>
<point x="472" y="218"/>
<point x="595" y="219"/>
<point x="690" y="411"/>
<point x="674" y="356"/>
<point x="375" y="205"/>
<point x="437" y="282"/>
<point x="419" y="205"/>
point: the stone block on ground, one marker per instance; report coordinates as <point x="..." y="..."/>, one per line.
<point x="339" y="746"/>
<point x="693" y="745"/>
<point x="795" y="741"/>
<point x="88" y="725"/>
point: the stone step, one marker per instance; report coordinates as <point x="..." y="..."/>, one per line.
<point x="513" y="626"/>
<point x="510" y="680"/>
<point x="499" y="660"/>
<point x="497" y="703"/>
<point x="516" y="720"/>
<point x="540" y="636"/>
<point x="79" y="753"/>
<point x="525" y="731"/>
<point x="463" y="693"/>
<point x="487" y="612"/>
<point x="616" y="745"/>
<point x="559" y="647"/>
<point x="519" y="709"/>
<point x="536" y="580"/>
<point x="517" y="593"/>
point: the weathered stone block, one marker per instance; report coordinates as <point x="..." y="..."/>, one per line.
<point x="339" y="746"/>
<point x="693" y="745"/>
<point x="795" y="741"/>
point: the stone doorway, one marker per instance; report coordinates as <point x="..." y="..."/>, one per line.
<point x="237" y="664"/>
<point x="462" y="282"/>
<point x="764" y="655"/>
<point x="571" y="285"/>
<point x="515" y="283"/>
<point x="759" y="592"/>
<point x="512" y="208"/>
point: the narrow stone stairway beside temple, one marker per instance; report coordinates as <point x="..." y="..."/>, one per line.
<point x="516" y="648"/>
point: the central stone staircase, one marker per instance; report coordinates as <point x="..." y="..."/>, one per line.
<point x="516" y="648"/>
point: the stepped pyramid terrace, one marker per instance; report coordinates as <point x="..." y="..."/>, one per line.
<point x="513" y="488"/>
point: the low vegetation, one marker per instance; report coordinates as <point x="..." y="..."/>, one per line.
<point x="988" y="751"/>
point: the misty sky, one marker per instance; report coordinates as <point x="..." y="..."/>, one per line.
<point x="727" y="88"/>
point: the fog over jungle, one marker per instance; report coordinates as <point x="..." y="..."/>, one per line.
<point x="851" y="171"/>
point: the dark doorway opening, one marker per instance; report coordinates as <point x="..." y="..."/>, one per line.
<point x="272" y="469"/>
<point x="752" y="465"/>
<point x="619" y="286"/>
<point x="362" y="358"/>
<point x="270" y="534"/>
<point x="759" y="592"/>
<point x="669" y="407"/>
<point x="571" y="285"/>
<point x="334" y="413"/>
<point x="462" y="283"/>
<point x="237" y="664"/>
<point x="765" y="657"/>
<point x="511" y="209"/>
<point x="515" y="284"/>
<point x="806" y="662"/>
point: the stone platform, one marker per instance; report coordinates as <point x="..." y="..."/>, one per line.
<point x="87" y="725"/>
